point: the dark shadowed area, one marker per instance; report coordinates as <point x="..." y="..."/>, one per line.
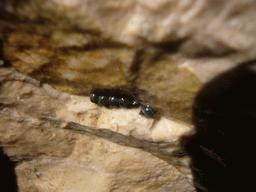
<point x="224" y="113"/>
<point x="7" y="174"/>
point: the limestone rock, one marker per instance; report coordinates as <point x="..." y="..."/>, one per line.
<point x="98" y="165"/>
<point x="82" y="45"/>
<point x="164" y="52"/>
<point x="25" y="110"/>
<point x="35" y="130"/>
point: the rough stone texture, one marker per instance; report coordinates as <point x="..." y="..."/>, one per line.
<point x="35" y="130"/>
<point x="98" y="165"/>
<point x="25" y="127"/>
<point x="81" y="45"/>
<point x="164" y="51"/>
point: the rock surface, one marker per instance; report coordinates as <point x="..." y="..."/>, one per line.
<point x="82" y="45"/>
<point x="164" y="52"/>
<point x="55" y="158"/>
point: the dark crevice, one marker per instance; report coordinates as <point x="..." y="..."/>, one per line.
<point x="91" y="47"/>
<point x="169" y="47"/>
<point x="224" y="114"/>
<point x="204" y="51"/>
<point x="8" y="177"/>
<point x="135" y="68"/>
<point x="112" y="136"/>
<point x="130" y="141"/>
<point x="3" y="61"/>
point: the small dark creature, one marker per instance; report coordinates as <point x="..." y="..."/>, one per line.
<point x="94" y="98"/>
<point x="148" y="111"/>
<point x="114" y="98"/>
<point x="103" y="100"/>
<point x="120" y="98"/>
<point x="113" y="101"/>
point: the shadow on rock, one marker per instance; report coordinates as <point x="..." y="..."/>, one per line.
<point x="3" y="61"/>
<point x="224" y="114"/>
<point x="7" y="176"/>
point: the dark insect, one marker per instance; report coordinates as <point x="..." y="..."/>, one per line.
<point x="94" y="98"/>
<point x="114" y="98"/>
<point x="103" y="100"/>
<point x="136" y="103"/>
<point x="113" y="101"/>
<point x="148" y="111"/>
<point x="123" y="102"/>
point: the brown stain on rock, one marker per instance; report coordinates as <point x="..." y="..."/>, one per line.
<point x="85" y="61"/>
<point x="168" y="86"/>
<point x="71" y="70"/>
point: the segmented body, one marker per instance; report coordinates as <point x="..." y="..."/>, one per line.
<point x="120" y="98"/>
<point x="114" y="98"/>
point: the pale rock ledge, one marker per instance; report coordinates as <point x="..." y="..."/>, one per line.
<point x="103" y="151"/>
